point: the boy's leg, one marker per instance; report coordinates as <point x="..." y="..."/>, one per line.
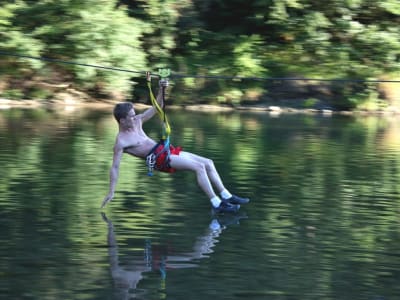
<point x="214" y="178"/>
<point x="186" y="161"/>
<point x="209" y="166"/>
<point x="207" y="176"/>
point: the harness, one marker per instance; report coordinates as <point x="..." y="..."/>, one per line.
<point x="151" y="158"/>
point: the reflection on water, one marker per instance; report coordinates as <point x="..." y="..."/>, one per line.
<point x="155" y="258"/>
<point x="323" y="222"/>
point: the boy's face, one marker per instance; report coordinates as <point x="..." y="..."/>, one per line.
<point x="129" y="119"/>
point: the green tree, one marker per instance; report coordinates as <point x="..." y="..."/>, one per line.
<point x="13" y="39"/>
<point x="90" y="32"/>
<point x="335" y="39"/>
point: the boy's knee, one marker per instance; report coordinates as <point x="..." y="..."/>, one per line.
<point x="209" y="163"/>
<point x="200" y="167"/>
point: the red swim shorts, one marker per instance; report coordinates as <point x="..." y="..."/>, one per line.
<point x="162" y="161"/>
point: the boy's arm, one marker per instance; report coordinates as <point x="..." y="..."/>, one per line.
<point x="114" y="172"/>
<point x="149" y="113"/>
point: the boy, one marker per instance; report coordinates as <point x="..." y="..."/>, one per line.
<point x="133" y="140"/>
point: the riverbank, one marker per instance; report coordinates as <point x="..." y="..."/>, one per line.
<point x="264" y="108"/>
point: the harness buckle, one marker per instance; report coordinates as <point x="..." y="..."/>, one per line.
<point x="151" y="163"/>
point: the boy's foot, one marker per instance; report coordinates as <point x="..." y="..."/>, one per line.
<point x="236" y="200"/>
<point x="226" y="207"/>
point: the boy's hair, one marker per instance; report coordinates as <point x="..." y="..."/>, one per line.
<point x="121" y="110"/>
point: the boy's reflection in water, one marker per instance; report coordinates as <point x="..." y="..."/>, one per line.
<point x="127" y="278"/>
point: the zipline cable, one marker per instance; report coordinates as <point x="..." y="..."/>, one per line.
<point x="177" y="75"/>
<point x="68" y="62"/>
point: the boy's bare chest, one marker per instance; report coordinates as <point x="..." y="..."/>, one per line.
<point x="133" y="139"/>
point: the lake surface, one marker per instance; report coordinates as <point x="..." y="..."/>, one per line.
<point x="323" y="221"/>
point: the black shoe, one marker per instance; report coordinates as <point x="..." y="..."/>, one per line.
<point x="236" y="200"/>
<point x="226" y="207"/>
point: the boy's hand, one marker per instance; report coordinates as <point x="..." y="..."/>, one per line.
<point x="164" y="83"/>
<point x="148" y="76"/>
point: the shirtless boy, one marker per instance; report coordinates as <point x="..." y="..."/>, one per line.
<point x="131" y="139"/>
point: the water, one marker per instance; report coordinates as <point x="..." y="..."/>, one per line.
<point x="323" y="222"/>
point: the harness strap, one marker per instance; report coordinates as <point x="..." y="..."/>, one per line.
<point x="160" y="110"/>
<point x="151" y="158"/>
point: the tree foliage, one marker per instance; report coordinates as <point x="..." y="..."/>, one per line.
<point x="305" y="38"/>
<point x="89" y="32"/>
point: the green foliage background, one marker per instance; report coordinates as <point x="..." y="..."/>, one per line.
<point x="333" y="39"/>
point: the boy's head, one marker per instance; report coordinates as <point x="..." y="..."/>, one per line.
<point x="121" y="110"/>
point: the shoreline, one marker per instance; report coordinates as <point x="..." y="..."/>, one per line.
<point x="209" y="108"/>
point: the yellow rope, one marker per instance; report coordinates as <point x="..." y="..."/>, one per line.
<point x="161" y="112"/>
